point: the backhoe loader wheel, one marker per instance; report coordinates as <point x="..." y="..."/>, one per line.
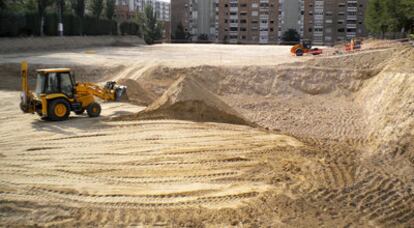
<point x="94" y="110"/>
<point x="58" y="110"/>
<point x="299" y="52"/>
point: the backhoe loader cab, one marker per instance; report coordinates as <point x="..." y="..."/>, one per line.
<point x="51" y="81"/>
<point x="57" y="94"/>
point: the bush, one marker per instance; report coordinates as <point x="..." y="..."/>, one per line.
<point x="11" y="24"/>
<point x="92" y="26"/>
<point x="129" y="28"/>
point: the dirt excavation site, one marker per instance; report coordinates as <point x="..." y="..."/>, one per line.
<point x="216" y="136"/>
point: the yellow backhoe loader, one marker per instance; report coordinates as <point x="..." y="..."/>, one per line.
<point x="57" y="94"/>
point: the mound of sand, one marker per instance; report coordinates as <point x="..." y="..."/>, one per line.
<point x="187" y="99"/>
<point x="136" y="94"/>
<point x="388" y="101"/>
<point x="340" y="75"/>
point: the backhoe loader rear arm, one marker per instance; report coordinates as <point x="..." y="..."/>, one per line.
<point x="26" y="103"/>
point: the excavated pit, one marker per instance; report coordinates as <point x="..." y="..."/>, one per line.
<point x="348" y="160"/>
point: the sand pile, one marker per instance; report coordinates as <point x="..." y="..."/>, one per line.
<point x="371" y="44"/>
<point x="317" y="98"/>
<point x="187" y="99"/>
<point x="339" y="74"/>
<point x="388" y="101"/>
<point x="136" y="94"/>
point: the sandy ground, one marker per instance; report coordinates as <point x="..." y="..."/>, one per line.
<point x="327" y="141"/>
<point x="165" y="54"/>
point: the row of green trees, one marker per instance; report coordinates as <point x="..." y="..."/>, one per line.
<point x="61" y="7"/>
<point x="41" y="17"/>
<point x="151" y="27"/>
<point x="28" y="24"/>
<point x="389" y="16"/>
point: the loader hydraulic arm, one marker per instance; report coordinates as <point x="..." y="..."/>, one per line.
<point x="110" y="92"/>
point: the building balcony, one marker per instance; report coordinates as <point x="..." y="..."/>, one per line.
<point x="352" y="9"/>
<point x="351" y="26"/>
<point x="351" y="17"/>
<point x="264" y="17"/>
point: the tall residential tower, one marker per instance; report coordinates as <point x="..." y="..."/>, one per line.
<point x="248" y="21"/>
<point x="327" y="22"/>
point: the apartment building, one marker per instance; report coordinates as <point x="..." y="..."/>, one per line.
<point x="179" y="15"/>
<point x="161" y="8"/>
<point x="247" y="21"/>
<point x="202" y="20"/>
<point x="327" y="22"/>
<point x="127" y="8"/>
<point x="291" y="16"/>
<point x="122" y="10"/>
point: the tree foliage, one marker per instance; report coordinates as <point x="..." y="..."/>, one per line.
<point x="96" y="7"/>
<point x="18" y="6"/>
<point x="110" y="9"/>
<point x="152" y="28"/>
<point x="41" y="10"/>
<point x="180" y="34"/>
<point x="78" y="6"/>
<point x="3" y="4"/>
<point x="291" y="35"/>
<point x="384" y="16"/>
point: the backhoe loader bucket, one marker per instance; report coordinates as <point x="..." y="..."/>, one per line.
<point x="120" y="90"/>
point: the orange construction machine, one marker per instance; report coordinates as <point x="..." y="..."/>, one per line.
<point x="305" y="47"/>
<point x="355" y="44"/>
